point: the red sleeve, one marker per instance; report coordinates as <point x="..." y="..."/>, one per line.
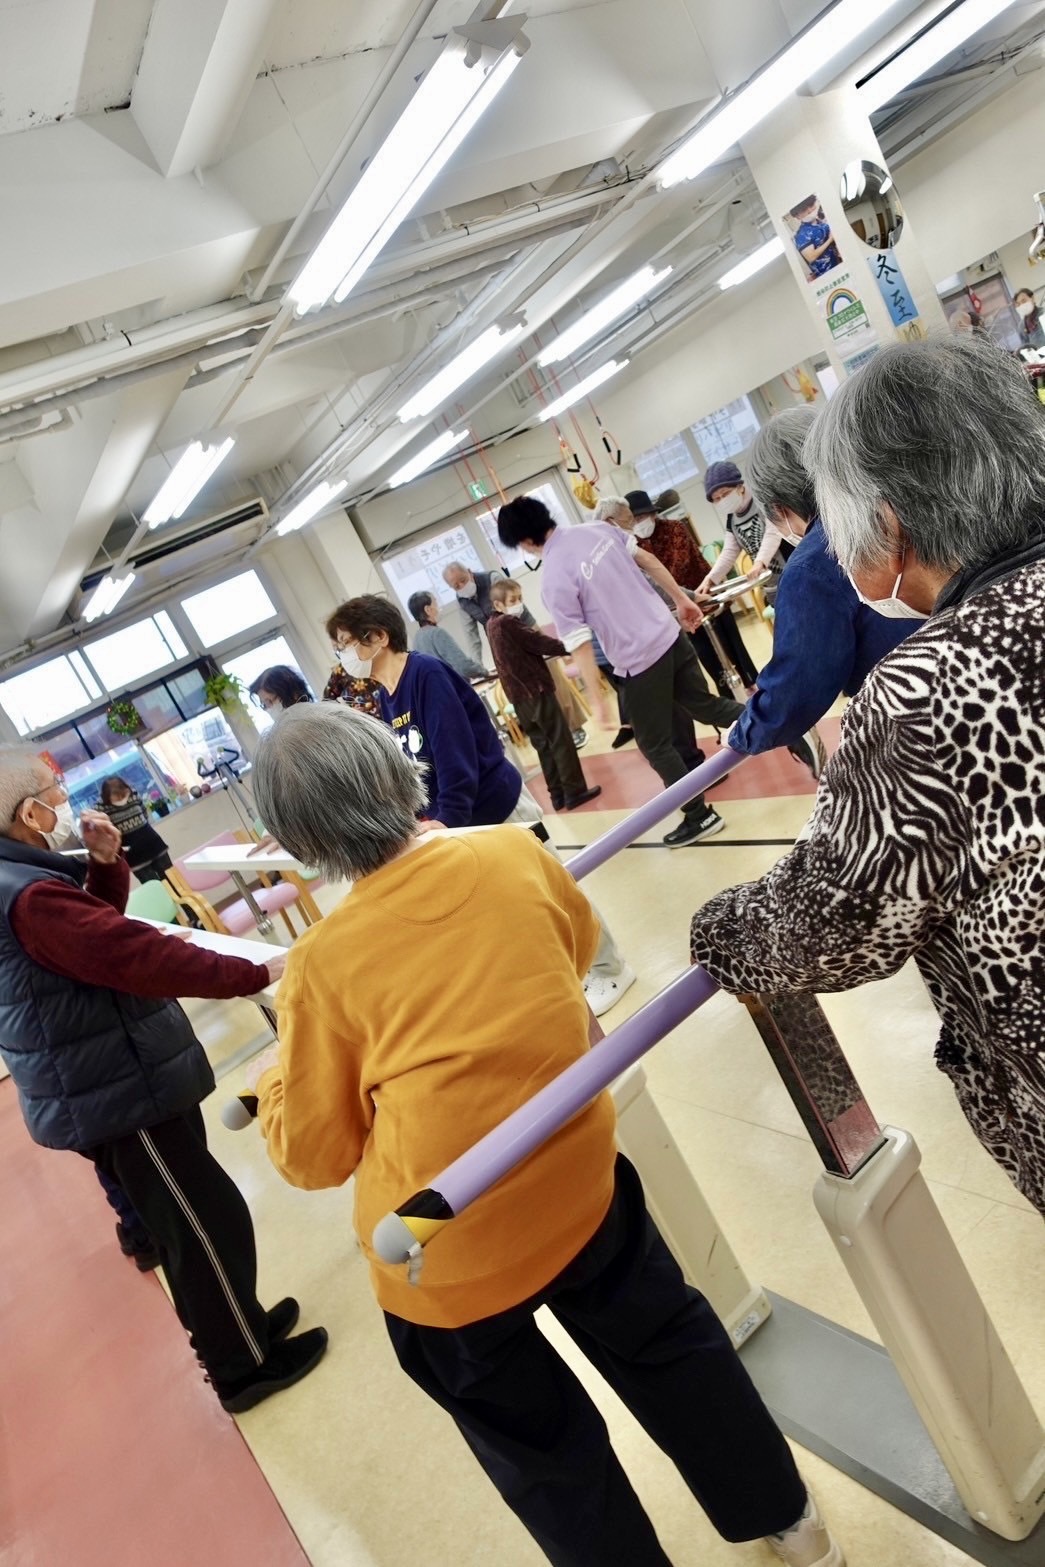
<point x="111" y="883"/>
<point x="82" y="937"/>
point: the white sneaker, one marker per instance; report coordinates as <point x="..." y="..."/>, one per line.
<point x="603" y="993"/>
<point x="809" y="1543"/>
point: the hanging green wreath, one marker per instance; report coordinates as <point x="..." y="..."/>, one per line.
<point x="123" y="718"/>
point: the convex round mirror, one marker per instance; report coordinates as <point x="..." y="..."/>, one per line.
<point x="871" y="205"/>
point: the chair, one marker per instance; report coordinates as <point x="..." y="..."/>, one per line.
<point x="309" y="878"/>
<point x="153" y="901"/>
<point x="234" y="917"/>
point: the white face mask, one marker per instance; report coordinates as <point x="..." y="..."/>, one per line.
<point x="727" y="505"/>
<point x="274" y="709"/>
<point x="513" y="609"/>
<point x="893" y="608"/>
<point x="64" y="827"/>
<point x="469" y="590"/>
<point x="644" y="527"/>
<point x="355" y="667"/>
<point x="1025" y="308"/>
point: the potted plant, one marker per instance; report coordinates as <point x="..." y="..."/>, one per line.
<point x="224" y="691"/>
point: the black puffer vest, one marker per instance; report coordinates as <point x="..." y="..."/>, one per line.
<point x="89" y="1064"/>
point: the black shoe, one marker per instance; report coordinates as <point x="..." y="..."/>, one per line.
<point x="694" y="828"/>
<point x="573" y="800"/>
<point x="140" y="1247"/>
<point x="287" y="1363"/>
<point x="282" y="1319"/>
<point x="624" y="736"/>
<point x="580" y="738"/>
<point x="558" y="800"/>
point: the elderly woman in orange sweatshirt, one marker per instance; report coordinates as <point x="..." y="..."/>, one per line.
<point x="390" y="1072"/>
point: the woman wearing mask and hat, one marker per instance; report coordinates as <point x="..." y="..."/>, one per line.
<point x="745" y="529"/>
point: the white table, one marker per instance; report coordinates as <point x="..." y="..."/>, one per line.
<point x="240" y="863"/>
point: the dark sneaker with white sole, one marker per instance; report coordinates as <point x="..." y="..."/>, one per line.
<point x="694" y="829"/>
<point x="287" y="1363"/>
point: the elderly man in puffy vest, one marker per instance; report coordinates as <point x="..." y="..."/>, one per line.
<point x="107" y="1065"/>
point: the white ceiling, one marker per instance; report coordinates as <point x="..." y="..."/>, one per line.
<point x="153" y="154"/>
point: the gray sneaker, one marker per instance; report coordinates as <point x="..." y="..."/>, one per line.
<point x="809" y="750"/>
<point x="808" y="1543"/>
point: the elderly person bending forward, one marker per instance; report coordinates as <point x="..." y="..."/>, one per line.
<point x="928" y="838"/>
<point x="477" y="1004"/>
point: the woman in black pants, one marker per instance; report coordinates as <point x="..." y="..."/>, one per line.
<point x="145" y="850"/>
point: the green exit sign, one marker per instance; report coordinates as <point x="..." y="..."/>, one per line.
<point x="478" y="490"/>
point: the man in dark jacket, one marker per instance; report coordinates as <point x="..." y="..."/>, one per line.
<point x="106" y="1064"/>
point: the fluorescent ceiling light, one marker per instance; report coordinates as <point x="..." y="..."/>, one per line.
<point x="592" y="322"/>
<point x="460" y="369"/>
<point x="946" y="35"/>
<point x="452" y="97"/>
<point x="315" y="501"/>
<point x="582" y="389"/>
<point x="752" y="264"/>
<point x="427" y="456"/>
<point x="741" y="112"/>
<point x="107" y="595"/>
<point x="186" y="479"/>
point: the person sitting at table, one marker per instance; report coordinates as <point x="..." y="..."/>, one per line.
<point x="277" y="688"/>
<point x="443" y="724"/>
<point x="826" y="640"/>
<point x="106" y="1065"/>
<point x="430" y="638"/>
<point x="457" y="1036"/>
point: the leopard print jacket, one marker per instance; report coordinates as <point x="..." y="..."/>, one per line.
<point x="928" y="840"/>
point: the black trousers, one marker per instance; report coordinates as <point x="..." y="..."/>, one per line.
<point x="537" y="1434"/>
<point x="663" y="701"/>
<point x="710" y="661"/>
<point x="202" y="1229"/>
<point x="154" y="869"/>
<point x="124" y="1210"/>
<point x="542" y="719"/>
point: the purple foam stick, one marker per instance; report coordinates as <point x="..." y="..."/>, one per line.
<point x="556" y="1103"/>
<point x="653" y="811"/>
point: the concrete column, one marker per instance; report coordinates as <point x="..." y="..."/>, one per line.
<point x="870" y="298"/>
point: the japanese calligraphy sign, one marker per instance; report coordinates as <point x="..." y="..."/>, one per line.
<point x="897" y="297"/>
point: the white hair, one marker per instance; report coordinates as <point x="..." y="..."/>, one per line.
<point x="337" y="789"/>
<point x="23" y="772"/>
<point x="949" y="435"/>
<point x="611" y="508"/>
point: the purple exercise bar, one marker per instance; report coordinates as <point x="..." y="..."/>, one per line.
<point x="654" y="811"/>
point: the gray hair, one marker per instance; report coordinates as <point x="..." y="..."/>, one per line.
<point x="611" y="507"/>
<point x="23" y="772"/>
<point x="946" y="432"/>
<point x="776" y="471"/>
<point x="337" y="789"/>
<point x="456" y="565"/>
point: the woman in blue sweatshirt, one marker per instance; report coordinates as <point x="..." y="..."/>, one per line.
<point x="438" y="718"/>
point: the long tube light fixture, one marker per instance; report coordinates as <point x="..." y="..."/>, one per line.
<point x="460" y="369"/>
<point x="107" y="595"/>
<point x="592" y="322"/>
<point x="582" y="389"/>
<point x="315" y="501"/>
<point x="427" y="456"/>
<point x="752" y="264"/>
<point x="186" y="479"/>
<point x="473" y="67"/>
<point x="938" y="41"/>
<point x="740" y="113"/>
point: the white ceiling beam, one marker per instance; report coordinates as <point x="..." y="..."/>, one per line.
<point x="79" y="479"/>
<point x="199" y="64"/>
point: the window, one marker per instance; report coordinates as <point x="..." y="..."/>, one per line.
<point x="666" y="466"/>
<point x="230" y="607"/>
<point x="185" y="757"/>
<point x="64" y="749"/>
<point x="51" y="691"/>
<point x="727" y="432"/>
<point x="420" y="568"/>
<point x="125" y="656"/>
<point x="248" y="666"/>
<point x="187" y="689"/>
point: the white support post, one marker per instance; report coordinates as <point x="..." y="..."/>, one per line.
<point x="943" y="1344"/>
